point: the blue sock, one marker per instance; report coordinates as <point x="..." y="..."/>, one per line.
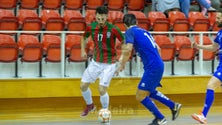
<point x="208" y="101"/>
<point x="148" y="103"/>
<point x="163" y="99"/>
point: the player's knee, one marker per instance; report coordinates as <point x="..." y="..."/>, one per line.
<point x="139" y="97"/>
<point x="84" y="86"/>
<point x="102" y="90"/>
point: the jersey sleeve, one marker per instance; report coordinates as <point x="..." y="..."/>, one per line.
<point x="119" y="35"/>
<point x="129" y="36"/>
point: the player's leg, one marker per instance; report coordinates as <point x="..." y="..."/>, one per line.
<point x="213" y="83"/>
<point x="90" y="75"/>
<point x="174" y="107"/>
<point x="105" y="78"/>
<point x="143" y="98"/>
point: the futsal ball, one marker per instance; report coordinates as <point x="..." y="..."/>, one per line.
<point x="104" y="115"/>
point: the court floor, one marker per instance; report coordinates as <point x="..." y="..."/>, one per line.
<point x="72" y="118"/>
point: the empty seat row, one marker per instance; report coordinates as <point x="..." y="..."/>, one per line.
<point x="73" y="4"/>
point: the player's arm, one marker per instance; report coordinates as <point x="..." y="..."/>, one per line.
<point x="83" y="46"/>
<point x="125" y="55"/>
<point x="159" y="49"/>
<point x="212" y="47"/>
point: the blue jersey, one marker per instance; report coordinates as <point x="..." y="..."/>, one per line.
<point x="145" y="47"/>
<point x="218" y="40"/>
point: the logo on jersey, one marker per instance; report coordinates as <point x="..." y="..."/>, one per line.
<point x="108" y="34"/>
<point x="219" y="73"/>
<point x="142" y="84"/>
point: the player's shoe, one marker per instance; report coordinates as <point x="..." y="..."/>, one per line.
<point x="200" y="118"/>
<point x="157" y="121"/>
<point x="89" y="108"/>
<point x="176" y="110"/>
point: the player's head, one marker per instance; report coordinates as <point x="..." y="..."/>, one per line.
<point x="129" y="20"/>
<point x="101" y="15"/>
<point x="219" y="19"/>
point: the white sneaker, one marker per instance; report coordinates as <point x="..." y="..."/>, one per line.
<point x="200" y="118"/>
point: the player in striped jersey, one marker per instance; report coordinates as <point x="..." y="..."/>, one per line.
<point x="146" y="47"/>
<point x="103" y="64"/>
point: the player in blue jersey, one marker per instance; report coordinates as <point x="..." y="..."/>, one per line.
<point x="216" y="79"/>
<point x="148" y="50"/>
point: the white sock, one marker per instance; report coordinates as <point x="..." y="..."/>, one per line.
<point x="104" y="99"/>
<point x="87" y="96"/>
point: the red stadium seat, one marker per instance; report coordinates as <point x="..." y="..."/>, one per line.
<point x="112" y="15"/>
<point x="116" y="4"/>
<point x="93" y="4"/>
<point x="52" y="20"/>
<point x="30" y="48"/>
<point x="74" y="4"/>
<point x="153" y="15"/>
<point x="29" y="4"/>
<point x="9" y="51"/>
<point x="29" y="20"/>
<point x="8" y="4"/>
<point x="74" y="20"/>
<point x="51" y="4"/>
<point x="90" y="16"/>
<point x="135" y="4"/>
<point x="51" y="48"/>
<point x="198" y="22"/>
<point x="168" y="49"/>
<point x="142" y="20"/>
<point x="184" y="50"/>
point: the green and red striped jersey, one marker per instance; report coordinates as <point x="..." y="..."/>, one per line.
<point x="104" y="41"/>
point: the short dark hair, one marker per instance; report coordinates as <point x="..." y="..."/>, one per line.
<point x="129" y="19"/>
<point x="102" y="10"/>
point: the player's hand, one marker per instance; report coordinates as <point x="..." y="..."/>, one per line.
<point x="83" y="55"/>
<point x="120" y="68"/>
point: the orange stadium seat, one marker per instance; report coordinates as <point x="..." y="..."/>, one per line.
<point x="74" y="4"/>
<point x="198" y="21"/>
<point x="135" y="4"/>
<point x="9" y="51"/>
<point x="93" y="4"/>
<point x="51" y="48"/>
<point x="116" y="4"/>
<point x="30" y="48"/>
<point x="207" y="55"/>
<point x="184" y="50"/>
<point x="52" y="20"/>
<point x="51" y="4"/>
<point x="143" y="21"/>
<point x="8" y="4"/>
<point x="161" y="24"/>
<point x="112" y="15"/>
<point x="119" y="23"/>
<point x="29" y="4"/>
<point x="73" y="48"/>
<point x="29" y="20"/>
<point x="74" y="20"/>
<point x="168" y="49"/>
<point x="153" y="15"/>
<point x="90" y="16"/>
<point x="212" y="18"/>
<point x="8" y="21"/>
<point x="178" y="21"/>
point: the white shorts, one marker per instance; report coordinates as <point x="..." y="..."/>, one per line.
<point x="103" y="71"/>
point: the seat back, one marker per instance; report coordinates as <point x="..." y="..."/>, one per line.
<point x="153" y="15"/>
<point x="68" y="14"/>
<point x="183" y="47"/>
<point x="8" y="4"/>
<point x="93" y="4"/>
<point x="29" y="4"/>
<point x="51" y="48"/>
<point x="135" y="4"/>
<point x="174" y="15"/>
<point x="30" y="48"/>
<point x="116" y="4"/>
<point x="73" y="48"/>
<point x="8" y="49"/>
<point x="74" y="4"/>
<point x="51" y="4"/>
<point x="9" y="23"/>
<point x="90" y="16"/>
<point x="161" y="24"/>
<point x="112" y="15"/>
